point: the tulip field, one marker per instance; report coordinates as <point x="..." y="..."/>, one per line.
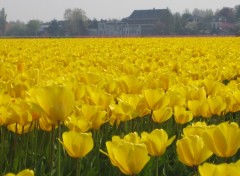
<point x="120" y="106"/>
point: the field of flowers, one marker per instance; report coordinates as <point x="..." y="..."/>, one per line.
<point x="120" y="106"/>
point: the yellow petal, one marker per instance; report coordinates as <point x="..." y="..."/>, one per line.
<point x="57" y="101"/>
<point x="137" y="158"/>
<point x="162" y="115"/>
<point x="77" y="144"/>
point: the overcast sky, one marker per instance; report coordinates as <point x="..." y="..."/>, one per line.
<point x="46" y="10"/>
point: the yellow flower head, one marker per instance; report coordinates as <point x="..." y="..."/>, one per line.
<point x="129" y="157"/>
<point x="223" y="139"/>
<point x="157" y="141"/>
<point x="25" y="172"/>
<point x="232" y="169"/>
<point x="197" y="128"/>
<point x="77" y="144"/>
<point x="192" y="150"/>
<point x="155" y="99"/>
<point x="56" y="101"/>
<point x="181" y="115"/>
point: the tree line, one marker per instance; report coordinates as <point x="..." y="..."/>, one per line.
<point x="76" y="23"/>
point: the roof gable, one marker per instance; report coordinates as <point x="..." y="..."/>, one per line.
<point x="147" y="14"/>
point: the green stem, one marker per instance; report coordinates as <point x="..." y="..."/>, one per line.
<point x="79" y="163"/>
<point x="157" y="167"/>
<point x="51" y="147"/>
<point x="59" y="151"/>
<point x="26" y="136"/>
<point x="2" y="145"/>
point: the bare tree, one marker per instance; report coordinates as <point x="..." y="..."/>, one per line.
<point x="3" y="21"/>
<point x="76" y="21"/>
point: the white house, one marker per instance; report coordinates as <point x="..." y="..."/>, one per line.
<point x="118" y="29"/>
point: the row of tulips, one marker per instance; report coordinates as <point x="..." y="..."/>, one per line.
<point x="80" y="109"/>
<point x="94" y="106"/>
<point x="53" y="106"/>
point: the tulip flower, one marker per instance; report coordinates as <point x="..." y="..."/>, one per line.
<point x="165" y="81"/>
<point x="210" y="86"/>
<point x="198" y="93"/>
<point x="176" y="99"/>
<point x="20" y="112"/>
<point x="236" y="95"/>
<point x="56" y="101"/>
<point x="195" y="107"/>
<point x="155" y="99"/>
<point x="156" y="142"/>
<point x="94" y="115"/>
<point x="232" y="169"/>
<point x="192" y="150"/>
<point x="77" y="124"/>
<point x="45" y="123"/>
<point x="17" y="90"/>
<point x="162" y="115"/>
<point x="181" y="115"/>
<point x="132" y="137"/>
<point x="77" y="144"/>
<point x="130" y="85"/>
<point x="232" y="104"/>
<point x="125" y="109"/>
<point x="19" y="129"/>
<point x="129" y="157"/>
<point x="216" y="105"/>
<point x="197" y="128"/>
<point x="102" y="99"/>
<point x="223" y="139"/>
<point x="25" y="172"/>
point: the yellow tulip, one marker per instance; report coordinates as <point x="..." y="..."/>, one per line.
<point x="223" y="139"/>
<point x="205" y="109"/>
<point x="236" y="95"/>
<point x="79" y="91"/>
<point x="162" y="115"/>
<point x="102" y="99"/>
<point x="232" y="169"/>
<point x="17" y="90"/>
<point x="130" y="85"/>
<point x="129" y="157"/>
<point x="56" y="101"/>
<point x="19" y="129"/>
<point x="181" y="115"/>
<point x="120" y="112"/>
<point x="156" y="142"/>
<point x="20" y="112"/>
<point x="132" y="137"/>
<point x="216" y="105"/>
<point x="195" y="107"/>
<point x="46" y="124"/>
<point x="232" y="104"/>
<point x="25" y="172"/>
<point x="197" y="128"/>
<point x="176" y="99"/>
<point x="77" y="144"/>
<point x="125" y="109"/>
<point x="4" y="99"/>
<point x="5" y="118"/>
<point x="210" y="86"/>
<point x="198" y="93"/>
<point x="165" y="81"/>
<point x="88" y="78"/>
<point x="155" y="99"/>
<point x="94" y="115"/>
<point x="192" y="150"/>
<point x="77" y="124"/>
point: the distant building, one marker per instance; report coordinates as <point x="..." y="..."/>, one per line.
<point x="140" y="22"/>
<point x="118" y="29"/>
